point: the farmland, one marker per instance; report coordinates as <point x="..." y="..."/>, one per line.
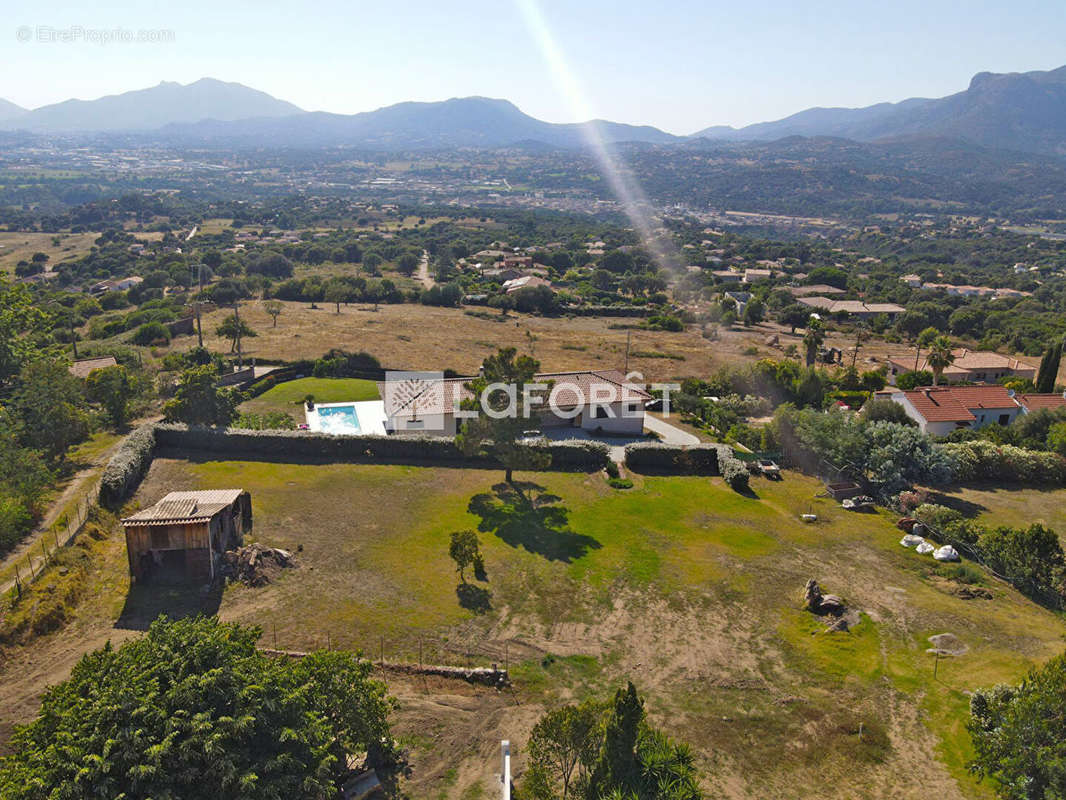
<point x="680" y="584"/>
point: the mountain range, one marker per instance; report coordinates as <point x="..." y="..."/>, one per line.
<point x="1014" y="111"/>
<point x="1024" y="112"/>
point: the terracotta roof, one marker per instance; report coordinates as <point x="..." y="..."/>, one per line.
<point x="957" y="403"/>
<point x="82" y="368"/>
<point x="818" y="288"/>
<point x="1035" y="402"/>
<point x="850" y="306"/>
<point x="936" y="405"/>
<point x="969" y="361"/>
<point x="185" y="507"/>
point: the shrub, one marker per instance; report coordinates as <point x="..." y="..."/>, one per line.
<point x="701" y="459"/>
<point x="127" y="466"/>
<point x="735" y="473"/>
<point x="620" y="483"/>
<point x="982" y="460"/>
<point x="150" y="333"/>
<point x="612" y="469"/>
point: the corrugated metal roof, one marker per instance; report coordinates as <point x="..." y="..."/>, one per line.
<point x="185" y="507"/>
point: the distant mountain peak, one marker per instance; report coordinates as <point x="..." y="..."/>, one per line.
<point x="1022" y="111"/>
<point x="166" y="103"/>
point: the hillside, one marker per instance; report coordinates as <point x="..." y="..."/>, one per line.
<point x="160" y="105"/>
<point x="1011" y="111"/>
<point x="9" y="110"/>
<point x="459" y="122"/>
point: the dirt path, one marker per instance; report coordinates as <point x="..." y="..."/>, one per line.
<point x="28" y="551"/>
<point x="423" y="271"/>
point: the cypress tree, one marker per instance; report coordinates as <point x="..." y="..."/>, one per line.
<point x="1049" y="368"/>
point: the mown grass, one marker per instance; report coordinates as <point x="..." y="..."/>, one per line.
<point x="288" y="397"/>
<point x="563" y="548"/>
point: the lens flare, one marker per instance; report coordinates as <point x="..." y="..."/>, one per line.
<point x="623" y="184"/>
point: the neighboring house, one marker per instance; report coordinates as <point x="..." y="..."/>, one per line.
<point x="82" y="368"/>
<point x="525" y="282"/>
<point x="818" y="288"/>
<point x="969" y="366"/>
<point x="183" y="536"/>
<point x="853" y="308"/>
<point x="517" y="262"/>
<point x="727" y="276"/>
<point x="740" y="298"/>
<point x="1036" y="402"/>
<point x="939" y="410"/>
<point x="912" y="280"/>
<point x="756" y="275"/>
<point x="120" y="285"/>
<point x="591" y="400"/>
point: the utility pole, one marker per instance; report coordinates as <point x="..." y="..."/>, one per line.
<point x="199" y="295"/>
<point x="237" y="319"/>
<point x="629" y="336"/>
<point x="73" y="338"/>
<point x="505" y="774"/>
<point x="858" y="344"/>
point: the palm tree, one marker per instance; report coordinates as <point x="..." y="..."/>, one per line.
<point x="924" y="339"/>
<point x="813" y="339"/>
<point x="939" y="357"/>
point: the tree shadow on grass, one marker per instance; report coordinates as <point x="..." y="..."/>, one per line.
<point x="524" y="514"/>
<point x="474" y="598"/>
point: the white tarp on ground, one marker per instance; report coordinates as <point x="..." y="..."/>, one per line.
<point x="910" y="540"/>
<point x="946" y="553"/>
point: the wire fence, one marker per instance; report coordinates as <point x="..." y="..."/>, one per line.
<point x="60" y="534"/>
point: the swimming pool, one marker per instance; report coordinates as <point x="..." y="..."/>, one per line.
<point x="338" y="419"/>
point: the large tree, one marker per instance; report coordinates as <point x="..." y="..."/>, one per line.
<point x="812" y="339"/>
<point x="51" y="407"/>
<point x="940" y="357"/>
<point x="1049" y="369"/>
<point x="234" y="329"/>
<point x="198" y="401"/>
<point x="111" y="387"/>
<point x="1019" y="734"/>
<point x="501" y="415"/>
<point x="192" y="710"/>
<point x="600" y="751"/>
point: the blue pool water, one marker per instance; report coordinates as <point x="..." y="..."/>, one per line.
<point x="338" y="420"/>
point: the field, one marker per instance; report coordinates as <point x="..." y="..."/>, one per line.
<point x="689" y="589"/>
<point x="15" y="247"/>
<point x="1010" y="505"/>
<point x="424" y="337"/>
<point x="288" y="397"/>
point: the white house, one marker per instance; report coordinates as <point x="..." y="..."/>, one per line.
<point x="939" y="410"/>
<point x="593" y="400"/>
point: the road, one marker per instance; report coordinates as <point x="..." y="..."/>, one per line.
<point x="423" y="272"/>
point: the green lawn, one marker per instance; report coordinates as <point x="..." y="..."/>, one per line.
<point x="1015" y="506"/>
<point x="688" y="588"/>
<point x="288" y="397"/>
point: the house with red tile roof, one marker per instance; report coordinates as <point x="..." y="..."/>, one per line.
<point x="969" y="366"/>
<point x="939" y="410"/>
<point x="1036" y="402"/>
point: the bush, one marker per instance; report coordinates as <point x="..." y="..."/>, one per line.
<point x="127" y="466"/>
<point x="735" y="473"/>
<point x="620" y="483"/>
<point x="612" y="469"/>
<point x="700" y="459"/>
<point x="987" y="461"/>
<point x="151" y="333"/>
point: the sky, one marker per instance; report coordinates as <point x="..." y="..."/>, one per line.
<point x="679" y="65"/>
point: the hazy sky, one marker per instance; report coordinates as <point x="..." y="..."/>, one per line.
<point x="680" y="65"/>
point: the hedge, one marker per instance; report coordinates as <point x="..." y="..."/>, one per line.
<point x="987" y="461"/>
<point x="127" y="466"/>
<point x="571" y="455"/>
<point x="699" y="459"/>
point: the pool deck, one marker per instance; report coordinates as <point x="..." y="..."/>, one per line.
<point x="370" y="413"/>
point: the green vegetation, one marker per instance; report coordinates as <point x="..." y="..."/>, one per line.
<point x="288" y="397"/>
<point x="215" y="718"/>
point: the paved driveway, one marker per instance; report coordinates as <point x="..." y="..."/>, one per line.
<point x="668" y="434"/>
